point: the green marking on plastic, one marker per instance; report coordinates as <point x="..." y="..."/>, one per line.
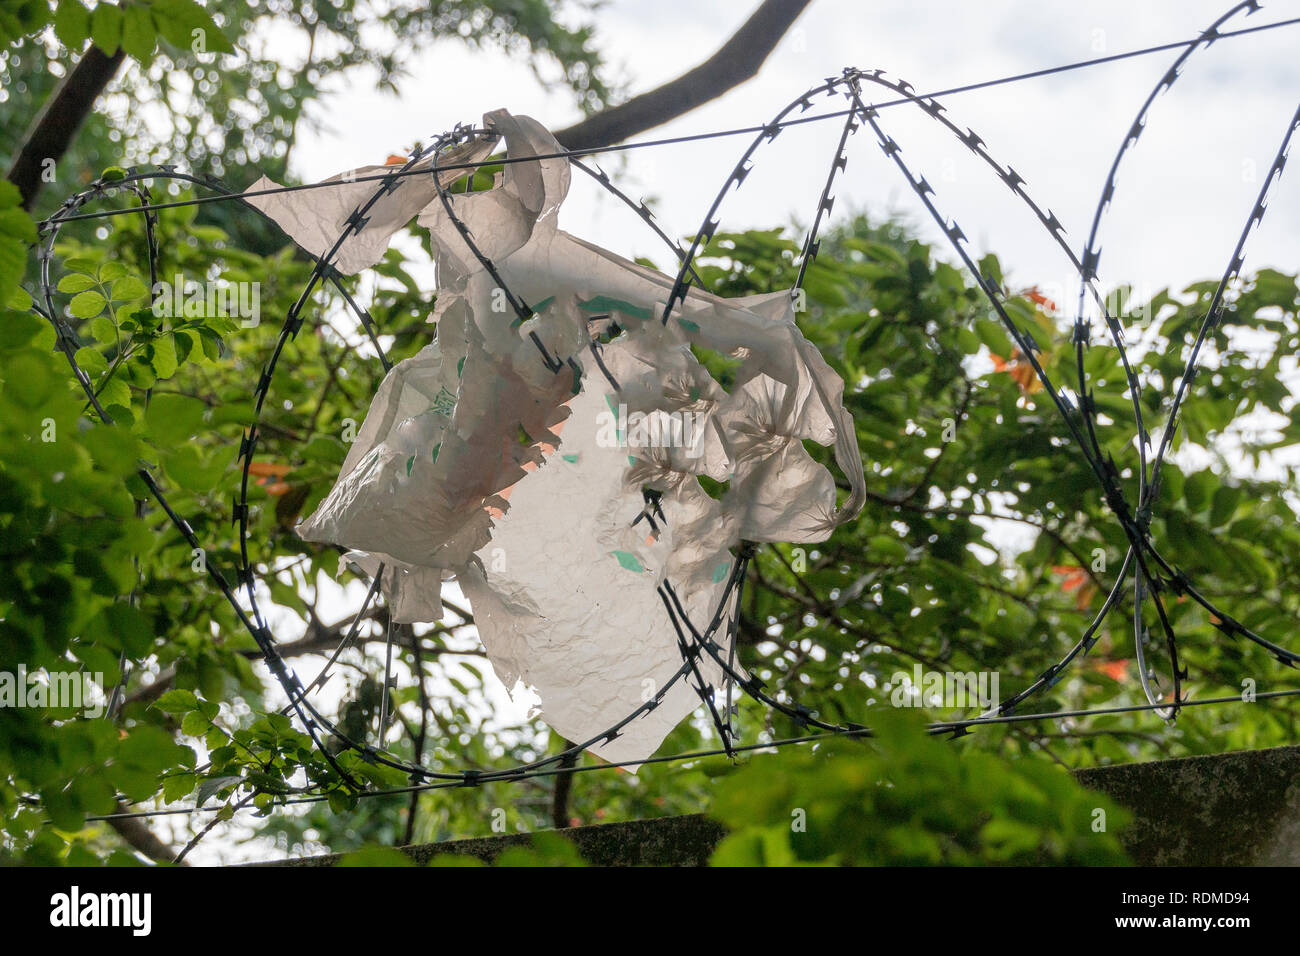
<point x="720" y="571"/>
<point x="605" y="303"/>
<point x="688" y="325"/>
<point x="444" y="403"/>
<point x="571" y="459"/>
<point x="631" y="459"/>
<point x="538" y="309"/>
<point x="618" y="429"/>
<point x="628" y="560"/>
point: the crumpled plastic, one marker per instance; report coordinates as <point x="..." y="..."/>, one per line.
<point x="560" y="501"/>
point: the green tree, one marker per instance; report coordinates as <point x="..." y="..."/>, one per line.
<point x="903" y="798"/>
<point x="952" y="433"/>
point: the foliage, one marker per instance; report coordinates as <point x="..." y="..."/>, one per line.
<point x="97" y="579"/>
<point x="284" y="61"/>
<point x="137" y="26"/>
<point x="69" y="536"/>
<point x="900" y="798"/>
<point x="543" y="849"/>
<point x="904" y="798"/>
<point x="926" y="580"/>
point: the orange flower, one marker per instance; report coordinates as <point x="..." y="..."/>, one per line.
<point x="1077" y="582"/>
<point x="1033" y="295"/>
<point x="1020" y="370"/>
<point x="1115" y="670"/>
<point x="268" y="469"/>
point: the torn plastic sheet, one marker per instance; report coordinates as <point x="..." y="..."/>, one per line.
<point x="561" y="500"/>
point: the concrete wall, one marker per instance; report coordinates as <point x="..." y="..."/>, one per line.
<point x="1235" y="809"/>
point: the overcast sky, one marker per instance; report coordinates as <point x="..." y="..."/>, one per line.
<point x="1182" y="196"/>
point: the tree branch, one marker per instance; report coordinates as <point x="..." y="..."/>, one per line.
<point x="319" y="639"/>
<point x="563" y="787"/>
<point x="134" y="831"/>
<point x="417" y="746"/>
<point x="57" y="123"/>
<point x="738" y="60"/>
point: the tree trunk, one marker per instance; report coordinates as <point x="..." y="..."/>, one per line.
<point x="52" y="131"/>
<point x="738" y="60"/>
<point x="134" y="831"/>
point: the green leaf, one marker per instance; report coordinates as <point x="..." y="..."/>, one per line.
<point x="94" y="794"/>
<point x="164" y="357"/>
<point x="64" y="811"/>
<point x="1224" y="505"/>
<point x="150" y="749"/>
<point x="177" y="702"/>
<point x="129" y="287"/>
<point x="16" y="223"/>
<point x="173" y="419"/>
<point x="27" y="380"/>
<point x="887" y="546"/>
<point x="75" y="282"/>
<point x="138" y="33"/>
<point x="178" y="785"/>
<point x="104" y="330"/>
<point x="18" y="330"/>
<point x="990" y="268"/>
<point x="214" y="785"/>
<point x="131" y="627"/>
<point x="177" y="20"/>
<point x="106" y="27"/>
<point x="19" y="300"/>
<point x="110" y="271"/>
<point x="195" y="724"/>
<point x="82" y="264"/>
<point x="341" y="801"/>
<point x="1197" y="489"/>
<point x="87" y="305"/>
<point x="91" y="361"/>
<point x="385" y="856"/>
<point x="212" y="344"/>
<point x="72" y="24"/>
<point x="188" y="470"/>
<point x="115" y="392"/>
<point x="13" y="260"/>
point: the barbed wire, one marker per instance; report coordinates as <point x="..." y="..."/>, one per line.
<point x="954" y="728"/>
<point x="1152" y="573"/>
<point x="716" y="134"/>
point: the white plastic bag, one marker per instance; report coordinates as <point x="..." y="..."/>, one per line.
<point x="562" y="500"/>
